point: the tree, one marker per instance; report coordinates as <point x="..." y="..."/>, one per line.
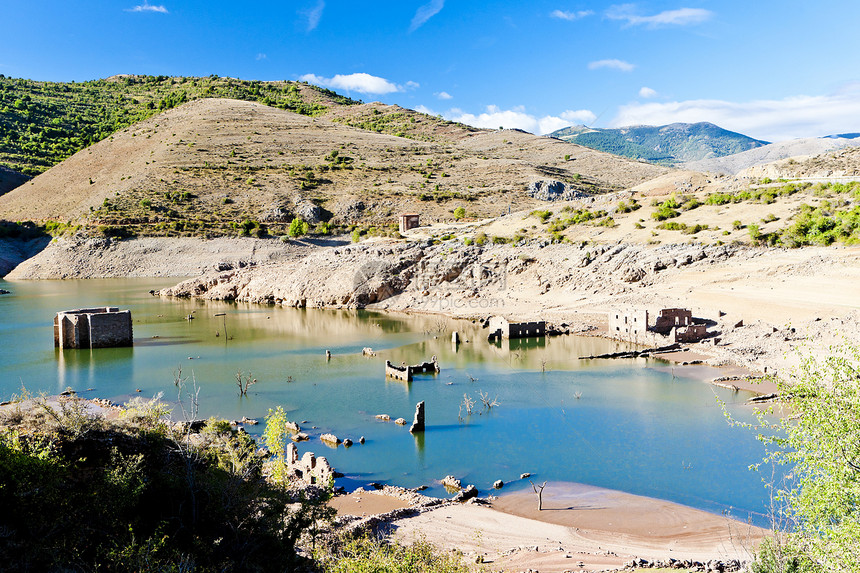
<point x="539" y="493"/>
<point x="820" y="441"/>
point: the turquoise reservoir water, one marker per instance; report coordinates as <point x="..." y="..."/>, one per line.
<point x="636" y="426"/>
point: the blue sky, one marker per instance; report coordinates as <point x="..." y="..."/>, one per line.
<point x="772" y="70"/>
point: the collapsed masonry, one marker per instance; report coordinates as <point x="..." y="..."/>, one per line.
<point x="101" y="327"/>
<point x="677" y="324"/>
<point x="309" y="468"/>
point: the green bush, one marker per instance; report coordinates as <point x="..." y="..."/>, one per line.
<point x="459" y="213"/>
<point x="298" y="228"/>
<point x="543" y="215"/>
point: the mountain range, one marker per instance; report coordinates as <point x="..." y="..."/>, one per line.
<point x="669" y="145"/>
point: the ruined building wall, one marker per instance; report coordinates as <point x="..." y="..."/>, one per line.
<point x="670" y="318"/>
<point x="631" y="324"/>
<point x="93" y="328"/>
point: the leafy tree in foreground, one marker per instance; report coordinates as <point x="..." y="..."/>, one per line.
<point x="819" y="437"/>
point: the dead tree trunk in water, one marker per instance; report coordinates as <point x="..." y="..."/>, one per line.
<point x="539" y="491"/>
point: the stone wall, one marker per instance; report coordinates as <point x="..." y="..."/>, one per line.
<point x="101" y="327"/>
<point x="405" y="373"/>
<point x="670" y="318"/>
<point x="310" y="469"/>
<point x="501" y="328"/>
<point x="691" y="333"/>
<point x="628" y="325"/>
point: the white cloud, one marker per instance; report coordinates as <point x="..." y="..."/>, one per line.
<point x="412" y="85"/>
<point x="360" y="82"/>
<point x="581" y="116"/>
<point x="426" y="12"/>
<point x="771" y="120"/>
<point x="620" y="65"/>
<point x="680" y="17"/>
<point x="516" y="118"/>
<point x="314" y="15"/>
<point x="425" y="109"/>
<point x="443" y="95"/>
<point x="147" y="7"/>
<point x="261" y="56"/>
<point x="646" y="92"/>
<point x="570" y="16"/>
<point x="550" y="123"/>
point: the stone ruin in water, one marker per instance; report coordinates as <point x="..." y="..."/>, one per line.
<point x="101" y="327"/>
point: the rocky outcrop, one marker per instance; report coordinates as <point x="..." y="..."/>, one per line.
<point x="425" y="276"/>
<point x="551" y="190"/>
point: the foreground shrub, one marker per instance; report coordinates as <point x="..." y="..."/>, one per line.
<point x="817" y="521"/>
<point x="81" y="494"/>
<point x="368" y="554"/>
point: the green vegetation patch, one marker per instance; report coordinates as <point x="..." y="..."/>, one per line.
<point x="43" y="123"/>
<point x="570" y="217"/>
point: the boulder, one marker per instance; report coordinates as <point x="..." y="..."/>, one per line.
<point x="330" y="439"/>
<point x="498" y="484"/>
<point x="307" y="211"/>
<point x="450" y="482"/>
<point x="467" y="493"/>
<point x="400" y="422"/>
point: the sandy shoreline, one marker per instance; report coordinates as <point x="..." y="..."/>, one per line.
<point x="580" y="527"/>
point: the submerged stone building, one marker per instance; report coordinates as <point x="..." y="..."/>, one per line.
<point x="101" y="327"/>
<point x="501" y="328"/>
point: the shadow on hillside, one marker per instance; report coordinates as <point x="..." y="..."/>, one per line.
<point x="19" y="242"/>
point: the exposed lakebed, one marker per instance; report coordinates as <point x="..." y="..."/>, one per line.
<point x="637" y="426"/>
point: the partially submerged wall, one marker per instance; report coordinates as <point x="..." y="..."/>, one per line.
<point x="501" y="328"/>
<point x="405" y="373"/>
<point x="102" y="327"/>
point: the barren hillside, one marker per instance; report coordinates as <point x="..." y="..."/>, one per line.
<point x="796" y="148"/>
<point x="207" y="166"/>
<point x="843" y="162"/>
